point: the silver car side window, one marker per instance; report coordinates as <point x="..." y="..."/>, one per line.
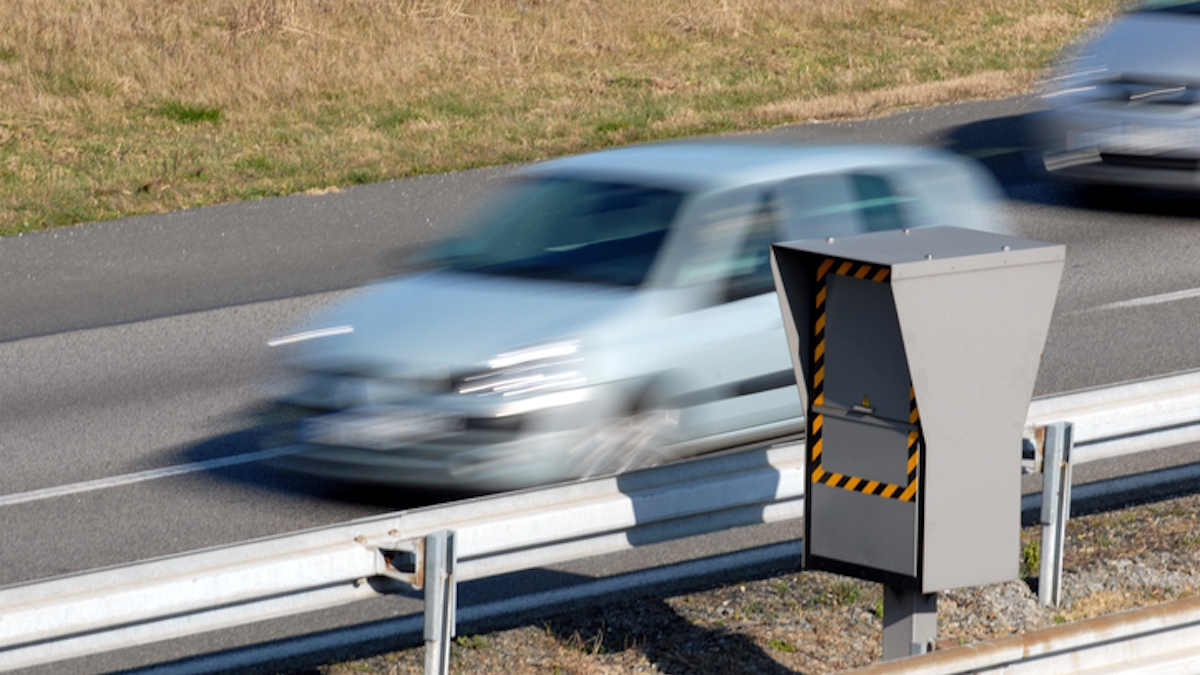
<point x="710" y="234"/>
<point x="949" y="194"/>
<point x="818" y="206"/>
<point x="750" y="274"/>
<point x="834" y="205"/>
<point x="878" y="206"/>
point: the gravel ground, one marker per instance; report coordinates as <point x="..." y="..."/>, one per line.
<point x="812" y="623"/>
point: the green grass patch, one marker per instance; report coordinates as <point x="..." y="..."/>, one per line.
<point x="254" y="164"/>
<point x="473" y="642"/>
<point x="72" y="80"/>
<point x="392" y="117"/>
<point x="360" y="177"/>
<point x="1031" y="558"/>
<point x="187" y="113"/>
<point x="456" y="106"/>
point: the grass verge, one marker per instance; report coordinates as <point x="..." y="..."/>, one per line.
<point x="119" y="107"/>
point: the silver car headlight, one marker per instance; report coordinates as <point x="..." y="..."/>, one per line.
<point x="530" y="379"/>
<point x="528" y="371"/>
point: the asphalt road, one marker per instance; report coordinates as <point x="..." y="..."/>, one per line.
<point x="132" y="353"/>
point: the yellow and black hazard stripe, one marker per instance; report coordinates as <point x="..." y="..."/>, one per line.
<point x="818" y="474"/>
<point x="914" y="447"/>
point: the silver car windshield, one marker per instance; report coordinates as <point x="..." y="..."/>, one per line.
<point x="567" y="229"/>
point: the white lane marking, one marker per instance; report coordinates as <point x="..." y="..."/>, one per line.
<point x="141" y="476"/>
<point x="1149" y="300"/>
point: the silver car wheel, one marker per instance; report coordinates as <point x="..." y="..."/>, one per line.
<point x="638" y="440"/>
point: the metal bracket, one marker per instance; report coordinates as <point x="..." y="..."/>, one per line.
<point x="427" y="563"/>
<point x="402" y="560"/>
<point x="1033" y="451"/>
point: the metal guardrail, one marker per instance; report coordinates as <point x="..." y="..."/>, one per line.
<point x="93" y="612"/>
<point x="47" y="621"/>
<point x="1125" y="419"/>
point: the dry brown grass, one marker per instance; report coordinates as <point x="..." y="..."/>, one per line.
<point x="112" y="107"/>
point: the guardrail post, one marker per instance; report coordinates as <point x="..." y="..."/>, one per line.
<point x="441" y="590"/>
<point x="1056" y="509"/>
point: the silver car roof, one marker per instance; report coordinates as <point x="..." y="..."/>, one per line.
<point x="717" y="163"/>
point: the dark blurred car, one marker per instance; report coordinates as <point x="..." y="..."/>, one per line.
<point x="1124" y="103"/>
<point x="604" y="312"/>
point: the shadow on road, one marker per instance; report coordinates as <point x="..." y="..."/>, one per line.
<point x="1002" y="145"/>
<point x="214" y="451"/>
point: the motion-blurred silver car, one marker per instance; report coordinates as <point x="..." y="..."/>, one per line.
<point x="1124" y="103"/>
<point x="603" y="312"/>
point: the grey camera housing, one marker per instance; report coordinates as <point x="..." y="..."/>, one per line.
<point x="916" y="353"/>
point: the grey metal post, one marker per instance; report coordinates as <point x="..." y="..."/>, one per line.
<point x="441" y="590"/>
<point x="909" y="622"/>
<point x="1056" y="509"/>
